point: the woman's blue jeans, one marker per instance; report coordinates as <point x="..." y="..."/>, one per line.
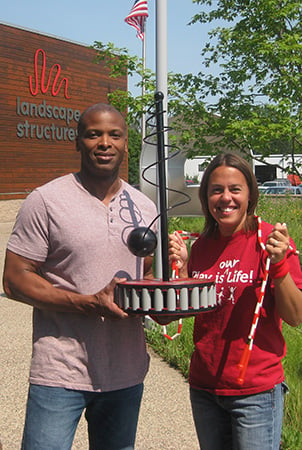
<point x="251" y="422"/>
<point x="53" y="414"/>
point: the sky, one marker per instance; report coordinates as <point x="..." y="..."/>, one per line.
<point x="88" y="21"/>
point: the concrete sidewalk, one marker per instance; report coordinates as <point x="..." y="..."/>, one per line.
<point x="165" y="420"/>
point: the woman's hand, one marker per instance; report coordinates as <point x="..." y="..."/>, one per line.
<point x="288" y="297"/>
<point x="178" y="253"/>
<point x="277" y="243"/>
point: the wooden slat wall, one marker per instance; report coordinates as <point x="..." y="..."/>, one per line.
<point x="26" y="163"/>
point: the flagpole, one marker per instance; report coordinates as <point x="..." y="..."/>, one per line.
<point x="143" y="120"/>
<point x="162" y="86"/>
<point x="162" y="52"/>
<point x="137" y="19"/>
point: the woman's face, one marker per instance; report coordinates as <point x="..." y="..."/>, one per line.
<point x="228" y="197"/>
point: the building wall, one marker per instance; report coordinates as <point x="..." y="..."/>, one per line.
<point x="194" y="167"/>
<point x="46" y="83"/>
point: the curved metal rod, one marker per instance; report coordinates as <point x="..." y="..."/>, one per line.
<point x="159" y="130"/>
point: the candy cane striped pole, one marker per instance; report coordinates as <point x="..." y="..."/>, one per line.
<point x="187" y="234"/>
<point x="243" y="363"/>
<point x="175" y="275"/>
<point x="250" y="340"/>
<point x="184" y="235"/>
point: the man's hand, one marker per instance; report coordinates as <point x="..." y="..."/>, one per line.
<point x="105" y="304"/>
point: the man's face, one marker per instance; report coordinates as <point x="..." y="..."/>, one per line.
<point x="102" y="143"/>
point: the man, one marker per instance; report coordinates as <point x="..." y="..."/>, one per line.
<point x="66" y="253"/>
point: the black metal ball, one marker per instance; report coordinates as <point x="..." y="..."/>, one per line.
<point x="142" y="241"/>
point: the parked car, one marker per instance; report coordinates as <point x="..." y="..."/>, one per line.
<point x="263" y="189"/>
<point x="297" y="190"/>
<point x="285" y="190"/>
<point x="278" y="182"/>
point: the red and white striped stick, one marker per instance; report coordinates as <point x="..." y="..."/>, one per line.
<point x="175" y="274"/>
<point x="243" y="363"/>
<point x="185" y="235"/>
<point x="250" y="340"/>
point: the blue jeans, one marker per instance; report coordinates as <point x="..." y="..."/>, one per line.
<point x="249" y="422"/>
<point x="53" y="414"/>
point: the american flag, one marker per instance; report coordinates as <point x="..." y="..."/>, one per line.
<point x="137" y="17"/>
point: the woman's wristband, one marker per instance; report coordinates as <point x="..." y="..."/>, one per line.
<point x="279" y="269"/>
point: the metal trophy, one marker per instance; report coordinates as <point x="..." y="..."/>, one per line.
<point x="167" y="295"/>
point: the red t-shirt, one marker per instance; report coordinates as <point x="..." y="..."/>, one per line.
<point x="237" y="265"/>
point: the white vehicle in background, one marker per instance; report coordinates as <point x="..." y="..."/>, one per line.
<point x="284" y="190"/>
<point x="296" y="190"/>
<point x="278" y="182"/>
<point x="263" y="189"/>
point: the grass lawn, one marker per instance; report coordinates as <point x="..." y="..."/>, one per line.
<point x="178" y="351"/>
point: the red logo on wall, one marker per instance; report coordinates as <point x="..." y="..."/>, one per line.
<point x="56" y="84"/>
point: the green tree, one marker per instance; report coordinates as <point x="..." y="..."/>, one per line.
<point x="255" y="100"/>
<point x="121" y="63"/>
<point x="134" y="148"/>
<point x="259" y="88"/>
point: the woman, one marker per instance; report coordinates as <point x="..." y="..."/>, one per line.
<point x="230" y="413"/>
